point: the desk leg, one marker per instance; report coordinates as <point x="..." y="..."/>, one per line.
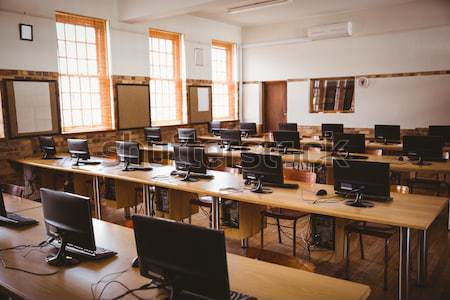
<point x="146" y="200"/>
<point x="97" y="197"/>
<point x="403" y="270"/>
<point x="422" y="259"/>
<point x="215" y="213"/>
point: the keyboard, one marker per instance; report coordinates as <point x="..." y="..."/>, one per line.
<point x="240" y="148"/>
<point x="99" y="253"/>
<point x="139" y="168"/>
<point x="90" y="162"/>
<point x="291" y="186"/>
<point x="365" y="197"/>
<point x="193" y="175"/>
<point x="193" y="145"/>
<point x="288" y="151"/>
<point x="17" y="220"/>
<point x="158" y="144"/>
<point x="239" y="296"/>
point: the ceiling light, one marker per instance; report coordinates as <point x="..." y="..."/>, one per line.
<point x="257" y="5"/>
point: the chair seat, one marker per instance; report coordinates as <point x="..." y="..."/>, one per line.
<point x="376" y="230"/>
<point x="285" y="214"/>
<point x="204" y="201"/>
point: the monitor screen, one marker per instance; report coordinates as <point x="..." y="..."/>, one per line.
<point x="372" y="176"/>
<point x="248" y="128"/>
<point x="189" y="258"/>
<point x="78" y="148"/>
<point x="152" y="134"/>
<point x="187" y="135"/>
<point x="349" y="142"/>
<point x="290" y="139"/>
<point x="287" y="126"/>
<point x="230" y="136"/>
<point x="328" y="130"/>
<point x="214" y="127"/>
<point x="2" y="205"/>
<point x="128" y="152"/>
<point x="427" y="147"/>
<point x="270" y="166"/>
<point x="388" y="132"/>
<point x="440" y="130"/>
<point x="68" y="215"/>
<point x="47" y="145"/>
<point x="190" y="158"/>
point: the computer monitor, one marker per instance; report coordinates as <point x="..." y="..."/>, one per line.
<point x="286" y="139"/>
<point x="362" y="179"/>
<point x="152" y="135"/>
<point x="247" y="128"/>
<point x="190" y="261"/>
<point x="78" y="149"/>
<point x="262" y="168"/>
<point x="11" y="218"/>
<point x="230" y="137"/>
<point x="387" y="133"/>
<point x="215" y="127"/>
<point x="349" y="142"/>
<point x="287" y="126"/>
<point x="129" y="153"/>
<point x="48" y="147"/>
<point x="440" y="130"/>
<point x="67" y="219"/>
<point x="328" y="130"/>
<point x="190" y="160"/>
<point x="423" y="148"/>
<point x="187" y="135"/>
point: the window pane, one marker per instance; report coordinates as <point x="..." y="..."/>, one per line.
<point x="70" y="32"/>
<point x="90" y="35"/>
<point x="60" y="31"/>
<point x="80" y="33"/>
<point x="81" y="50"/>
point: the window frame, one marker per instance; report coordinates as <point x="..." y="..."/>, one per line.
<point x="230" y="81"/>
<point x="177" y="75"/>
<point x="319" y="89"/>
<point x="102" y="59"/>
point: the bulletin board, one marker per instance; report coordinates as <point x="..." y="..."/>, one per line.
<point x="133" y="105"/>
<point x="32" y="107"/>
<point x="200" y="104"/>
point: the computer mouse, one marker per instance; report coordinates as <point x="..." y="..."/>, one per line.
<point x="401" y="158"/>
<point x="321" y="192"/>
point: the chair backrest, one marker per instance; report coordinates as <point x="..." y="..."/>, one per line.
<point x="280" y="259"/>
<point x="12" y="189"/>
<point x="299" y="175"/>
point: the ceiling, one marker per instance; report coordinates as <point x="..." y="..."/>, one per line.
<point x="294" y="10"/>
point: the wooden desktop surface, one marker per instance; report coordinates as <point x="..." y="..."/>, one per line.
<point x="318" y="157"/>
<point x="15" y="204"/>
<point x="260" y="279"/>
<point x="406" y="210"/>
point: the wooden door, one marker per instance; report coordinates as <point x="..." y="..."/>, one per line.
<point x="274" y="104"/>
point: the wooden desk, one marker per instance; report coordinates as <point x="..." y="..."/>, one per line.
<point x="256" y="278"/>
<point x="405" y="211"/>
<point x="14" y="204"/>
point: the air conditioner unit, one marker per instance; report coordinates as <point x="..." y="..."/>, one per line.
<point x="330" y="31"/>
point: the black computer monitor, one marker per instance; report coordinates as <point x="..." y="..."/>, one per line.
<point x="387" y="133"/>
<point x="286" y="139"/>
<point x="349" y="142"/>
<point x="215" y="127"/>
<point x="12" y="218"/>
<point x="423" y="148"/>
<point x="78" y="149"/>
<point x="247" y="128"/>
<point x="48" y="147"/>
<point x="361" y="178"/>
<point x="328" y="130"/>
<point x="67" y="219"/>
<point x="187" y="135"/>
<point x="190" y="160"/>
<point x="129" y="153"/>
<point x="152" y="134"/>
<point x="287" y="126"/>
<point x="187" y="259"/>
<point x="440" y="130"/>
<point x="230" y="137"/>
<point x="262" y="168"/>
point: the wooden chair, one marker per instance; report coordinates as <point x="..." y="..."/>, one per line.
<point x="286" y="214"/>
<point x="280" y="259"/>
<point x="12" y="189"/>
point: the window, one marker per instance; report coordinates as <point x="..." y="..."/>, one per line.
<point x="84" y="83"/>
<point x="332" y="95"/>
<point x="2" y="128"/>
<point x="224" y="87"/>
<point x="166" y="86"/>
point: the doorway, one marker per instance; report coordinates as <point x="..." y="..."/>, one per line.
<point x="274" y="104"/>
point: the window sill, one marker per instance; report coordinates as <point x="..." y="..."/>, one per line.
<point x="227" y="120"/>
<point x="91" y="130"/>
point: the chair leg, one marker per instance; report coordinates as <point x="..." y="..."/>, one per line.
<point x="279" y="231"/>
<point x="294" y="239"/>
<point x="347" y="255"/>
<point x="190" y="213"/>
<point x="262" y="231"/>
<point x="386" y="261"/>
<point x="361" y="245"/>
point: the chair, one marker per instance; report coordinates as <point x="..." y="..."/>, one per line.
<point x="287" y="214"/>
<point x="12" y="189"/>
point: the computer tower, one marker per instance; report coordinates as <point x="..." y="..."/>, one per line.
<point x="230" y="214"/>
<point x="323" y="231"/>
<point x="162" y="200"/>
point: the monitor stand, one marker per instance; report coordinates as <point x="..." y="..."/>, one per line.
<point x="61" y="259"/>
<point x="188" y="177"/>
<point x="359" y="202"/>
<point x="421" y="162"/>
<point x="259" y="188"/>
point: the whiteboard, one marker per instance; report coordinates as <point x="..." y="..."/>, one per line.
<point x="203" y="99"/>
<point x="33" y="106"/>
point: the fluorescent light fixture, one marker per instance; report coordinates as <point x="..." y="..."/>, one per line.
<point x="256" y="6"/>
